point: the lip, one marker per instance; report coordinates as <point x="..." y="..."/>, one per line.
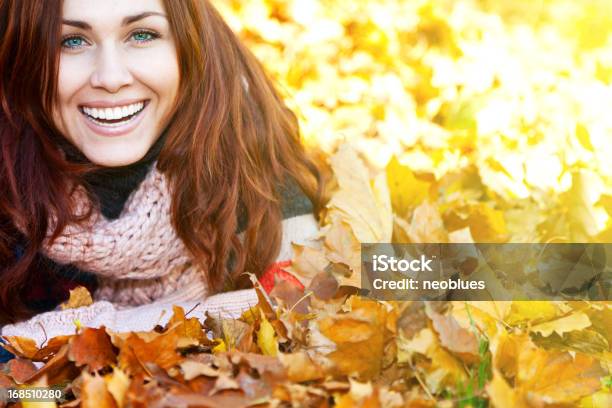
<point x="108" y="104"/>
<point x="119" y="130"/>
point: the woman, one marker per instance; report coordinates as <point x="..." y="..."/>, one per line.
<point x="142" y="144"/>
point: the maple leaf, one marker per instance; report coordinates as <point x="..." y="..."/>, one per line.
<point x="92" y="348"/>
<point x="359" y="337"/>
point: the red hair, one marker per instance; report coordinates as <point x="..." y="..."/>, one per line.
<point x="231" y="143"/>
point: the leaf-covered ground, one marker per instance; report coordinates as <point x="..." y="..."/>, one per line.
<point x="327" y="346"/>
<point x="466" y="121"/>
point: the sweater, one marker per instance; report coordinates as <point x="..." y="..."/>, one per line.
<point x="112" y="188"/>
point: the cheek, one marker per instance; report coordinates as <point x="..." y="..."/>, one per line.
<point x="73" y="75"/>
<point x="160" y="73"/>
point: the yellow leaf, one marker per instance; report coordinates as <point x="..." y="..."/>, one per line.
<point x="487" y="224"/>
<point x="575" y="321"/>
<point x="501" y="394"/>
<point x="266" y="337"/>
<point x="556" y="377"/>
<point x="79" y="297"/>
<point x="356" y="201"/>
<point x="117" y="384"/>
<point x="531" y="311"/>
<point x="601" y="399"/>
<point x="94" y="393"/>
<point x="220" y="347"/>
<point x="406" y="190"/>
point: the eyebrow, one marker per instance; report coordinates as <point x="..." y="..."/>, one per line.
<point x="126" y="21"/>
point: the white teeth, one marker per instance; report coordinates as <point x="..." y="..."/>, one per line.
<point x="116" y="113"/>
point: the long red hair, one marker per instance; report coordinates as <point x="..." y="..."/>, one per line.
<point x="231" y="143"/>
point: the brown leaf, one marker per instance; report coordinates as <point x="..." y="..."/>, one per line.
<point x="6" y="381"/>
<point x="79" y="297"/>
<point x="359" y="336"/>
<point x="455" y="338"/>
<point x="264" y="302"/>
<point x="135" y="352"/>
<point x="58" y="369"/>
<point x="20" y="346"/>
<point x="288" y="295"/>
<point x="21" y="369"/>
<point x="26" y="348"/>
<point x="190" y="330"/>
<point x="266" y="366"/>
<point x="412" y="319"/>
<point x="92" y="348"/>
<point x="324" y="286"/>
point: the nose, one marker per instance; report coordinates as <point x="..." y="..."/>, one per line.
<point x="111" y="72"/>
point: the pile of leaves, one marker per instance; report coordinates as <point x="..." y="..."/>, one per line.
<point x="328" y="346"/>
<point x="468" y="121"/>
<point x="502" y="107"/>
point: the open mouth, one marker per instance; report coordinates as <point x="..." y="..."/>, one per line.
<point x="116" y="116"/>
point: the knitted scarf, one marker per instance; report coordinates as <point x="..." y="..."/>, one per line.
<point x="138" y="257"/>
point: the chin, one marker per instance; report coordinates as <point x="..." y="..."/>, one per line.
<point x="114" y="158"/>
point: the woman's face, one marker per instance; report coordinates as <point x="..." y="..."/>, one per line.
<point x="118" y="78"/>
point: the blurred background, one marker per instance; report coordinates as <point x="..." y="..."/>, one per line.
<point x="499" y="112"/>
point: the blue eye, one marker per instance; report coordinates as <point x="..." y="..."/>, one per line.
<point x="73" y="42"/>
<point x="144" y="36"/>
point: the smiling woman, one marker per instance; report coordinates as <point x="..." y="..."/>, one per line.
<point x="142" y="147"/>
<point x="118" y="78"/>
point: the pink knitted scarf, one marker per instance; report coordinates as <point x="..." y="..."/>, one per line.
<point x="137" y="257"/>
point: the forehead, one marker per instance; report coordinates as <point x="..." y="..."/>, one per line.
<point x="107" y="11"/>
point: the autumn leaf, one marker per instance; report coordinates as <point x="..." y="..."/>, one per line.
<point x="364" y="206"/>
<point x="117" y="384"/>
<point x="407" y="191"/>
<point x="455" y="338"/>
<point x="266" y="337"/>
<point x="574" y="321"/>
<point x="359" y="337"/>
<point x="92" y="348"/>
<point x="300" y="367"/>
<point x="20" y="369"/>
<point x="95" y="394"/>
<point x="79" y="297"/>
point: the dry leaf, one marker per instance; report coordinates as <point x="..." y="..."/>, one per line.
<point x="79" y="297"/>
<point x="455" y="338"/>
<point x="94" y="393"/>
<point x="266" y="337"/>
<point x="92" y="348"/>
